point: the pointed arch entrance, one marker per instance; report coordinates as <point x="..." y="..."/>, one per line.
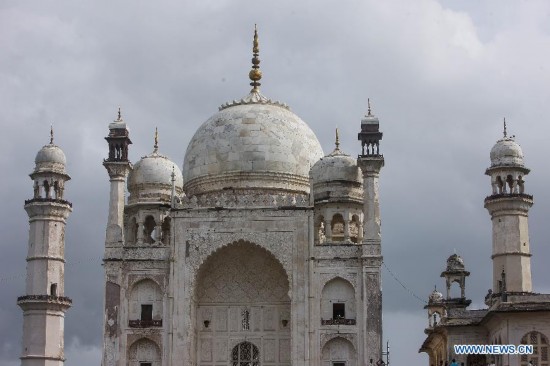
<point x="242" y="303"/>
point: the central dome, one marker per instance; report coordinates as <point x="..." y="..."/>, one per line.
<point x="252" y="144"/>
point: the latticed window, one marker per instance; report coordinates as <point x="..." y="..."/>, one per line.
<point x="540" y="349"/>
<point x="245" y="354"/>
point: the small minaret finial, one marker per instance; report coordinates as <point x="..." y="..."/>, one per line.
<point x="156" y="146"/>
<point x="119" y="117"/>
<point x="255" y="74"/>
<point x="369" y="110"/>
<point x="51" y="134"/>
<point x="173" y="193"/>
<point x="505" y="133"/>
<point x="337" y="142"/>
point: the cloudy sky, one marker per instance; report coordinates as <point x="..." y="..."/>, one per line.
<point x="441" y="76"/>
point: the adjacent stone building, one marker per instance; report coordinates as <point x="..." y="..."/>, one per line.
<point x="261" y="251"/>
<point x="514" y="314"/>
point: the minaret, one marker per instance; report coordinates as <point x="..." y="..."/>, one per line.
<point x="509" y="206"/>
<point x="44" y="304"/>
<point x="118" y="167"/>
<point x="371" y="161"/>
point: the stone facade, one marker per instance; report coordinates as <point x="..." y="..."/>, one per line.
<point x="514" y="314"/>
<point x="264" y="253"/>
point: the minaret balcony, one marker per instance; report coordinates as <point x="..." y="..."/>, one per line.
<point x="44" y="302"/>
<point x="48" y="200"/>
<point x="509" y="195"/>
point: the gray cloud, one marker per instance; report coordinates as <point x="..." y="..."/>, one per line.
<point x="441" y="75"/>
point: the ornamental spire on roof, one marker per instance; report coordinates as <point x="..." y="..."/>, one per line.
<point x="337" y="142"/>
<point x="255" y="74"/>
<point x="119" y="117"/>
<point x="505" y="133"/>
<point x="51" y="134"/>
<point x="369" y="109"/>
<point x="156" y="146"/>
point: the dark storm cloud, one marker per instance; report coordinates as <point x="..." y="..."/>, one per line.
<point x="441" y="80"/>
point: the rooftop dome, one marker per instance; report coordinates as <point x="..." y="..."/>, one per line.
<point x="150" y="180"/>
<point x="455" y="263"/>
<point x="50" y="158"/>
<point x="337" y="178"/>
<point x="336" y="166"/>
<point x="251" y="144"/>
<point x="506" y="152"/>
<point x="435" y="297"/>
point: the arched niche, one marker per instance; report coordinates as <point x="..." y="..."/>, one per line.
<point x="241" y="292"/>
<point x="144" y="351"/>
<point x="145" y="303"/>
<point x="338" y="301"/>
<point x="339" y="351"/>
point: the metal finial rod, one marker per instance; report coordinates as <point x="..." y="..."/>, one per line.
<point x="173" y="175"/>
<point x="119" y="114"/>
<point x="369" y="108"/>
<point x="505" y="133"/>
<point x="337" y="142"/>
<point x="51" y="134"/>
<point x="156" y="146"/>
<point x="255" y="74"/>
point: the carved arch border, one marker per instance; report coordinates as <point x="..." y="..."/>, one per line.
<point x="351" y="278"/>
<point x="204" y="245"/>
<point x="134" y="279"/>
<point x="327" y="337"/>
<point x="153" y="338"/>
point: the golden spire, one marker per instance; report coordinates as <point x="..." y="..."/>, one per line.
<point x="51" y="134"/>
<point x="156" y="146"/>
<point x="505" y="133"/>
<point x="337" y="142"/>
<point x="369" y="110"/>
<point x="255" y="74"/>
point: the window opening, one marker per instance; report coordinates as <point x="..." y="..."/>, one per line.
<point x="53" y="289"/>
<point x="166" y="231"/>
<point x="146" y="312"/>
<point x="338" y="311"/>
<point x="149" y="229"/>
<point x="245" y="354"/>
<point x="540" y="349"/>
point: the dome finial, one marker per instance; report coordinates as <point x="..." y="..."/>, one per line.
<point x="156" y="146"/>
<point x="255" y="74"/>
<point x="51" y="134"/>
<point x="337" y="142"/>
<point x="119" y="117"/>
<point x="369" y="108"/>
<point x="505" y="134"/>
